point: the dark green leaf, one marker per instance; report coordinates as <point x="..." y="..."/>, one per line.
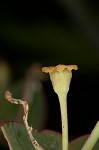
<point x="19" y="138"/>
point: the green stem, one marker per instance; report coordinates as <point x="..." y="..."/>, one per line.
<point x="63" y="107"/>
<point x="94" y="136"/>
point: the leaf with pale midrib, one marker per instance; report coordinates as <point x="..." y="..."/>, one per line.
<point x="19" y="138"/>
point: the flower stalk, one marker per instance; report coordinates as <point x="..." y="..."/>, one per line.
<point x="64" y="118"/>
<point x="61" y="76"/>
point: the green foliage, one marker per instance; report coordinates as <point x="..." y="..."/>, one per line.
<point x="49" y="140"/>
<point x="19" y="138"/>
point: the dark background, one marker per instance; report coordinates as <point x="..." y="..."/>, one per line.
<point x="51" y="33"/>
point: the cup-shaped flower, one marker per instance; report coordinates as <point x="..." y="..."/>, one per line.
<point x="60" y="76"/>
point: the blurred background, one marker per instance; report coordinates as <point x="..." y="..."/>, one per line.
<point x="42" y="33"/>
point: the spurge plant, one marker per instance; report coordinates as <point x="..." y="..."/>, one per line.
<point x="21" y="137"/>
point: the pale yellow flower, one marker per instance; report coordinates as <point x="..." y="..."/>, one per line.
<point x="60" y="76"/>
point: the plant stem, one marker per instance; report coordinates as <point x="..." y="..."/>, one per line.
<point x="93" y="137"/>
<point x="64" y="119"/>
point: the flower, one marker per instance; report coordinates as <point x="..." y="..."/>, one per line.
<point x="60" y="76"/>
